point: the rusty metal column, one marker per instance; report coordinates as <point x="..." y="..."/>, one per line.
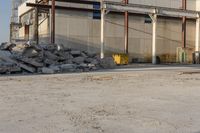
<point x="126" y="25"/>
<point x="184" y="6"/>
<point x="53" y="21"/>
<point x="197" y="34"/>
<point x="36" y="34"/>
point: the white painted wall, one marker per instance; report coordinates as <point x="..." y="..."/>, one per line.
<point x="23" y="8"/>
<point x="198" y="5"/>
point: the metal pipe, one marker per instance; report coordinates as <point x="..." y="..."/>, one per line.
<point x="53" y="21"/>
<point x="126" y="33"/>
<point x="184" y="7"/>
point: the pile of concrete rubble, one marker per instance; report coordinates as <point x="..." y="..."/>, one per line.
<point x="48" y="59"/>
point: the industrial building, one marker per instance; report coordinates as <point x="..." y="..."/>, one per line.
<point x="145" y="29"/>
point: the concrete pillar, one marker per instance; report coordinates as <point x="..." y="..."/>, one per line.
<point x="154" y="37"/>
<point x="102" y="32"/>
<point x="197" y="34"/>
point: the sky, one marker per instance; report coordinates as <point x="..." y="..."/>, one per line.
<point x="5" y="13"/>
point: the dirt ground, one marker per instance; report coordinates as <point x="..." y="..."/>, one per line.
<point x="161" y="100"/>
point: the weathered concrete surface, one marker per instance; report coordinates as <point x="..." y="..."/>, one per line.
<point x="150" y="101"/>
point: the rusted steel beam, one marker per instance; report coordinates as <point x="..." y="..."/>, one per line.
<point x="42" y="6"/>
<point x="126" y="25"/>
<point x="88" y="2"/>
<point x="53" y="21"/>
<point x="36" y="34"/>
<point x="184" y="7"/>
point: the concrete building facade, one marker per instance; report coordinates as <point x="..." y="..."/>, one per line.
<point x="81" y="30"/>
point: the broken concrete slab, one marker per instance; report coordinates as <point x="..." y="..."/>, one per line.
<point x="91" y="54"/>
<point x="83" y="65"/>
<point x="50" y="62"/>
<point x="95" y="62"/>
<point x="78" y="60"/>
<point x="107" y="63"/>
<point x="75" y="53"/>
<point x="30" y="52"/>
<point x="50" y="55"/>
<point x="68" y="67"/>
<point x="88" y="60"/>
<point x="4" y="53"/>
<point x="49" y="47"/>
<point x="9" y="67"/>
<point x="84" y="55"/>
<point x="63" y="55"/>
<point x="91" y="65"/>
<point x="55" y="68"/>
<point x="23" y="66"/>
<point x="46" y="70"/>
<point x="7" y="46"/>
<point x="29" y="61"/>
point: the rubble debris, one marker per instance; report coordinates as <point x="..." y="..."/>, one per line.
<point x="49" y="59"/>
<point x="7" y="46"/>
<point x="23" y="66"/>
<point x="107" y="62"/>
<point x="78" y="60"/>
<point x="8" y="67"/>
<point x="30" y="52"/>
<point x="4" y="53"/>
<point x="55" y="68"/>
<point x="68" y="67"/>
<point x="75" y="53"/>
<point x="29" y="61"/>
<point x="46" y="70"/>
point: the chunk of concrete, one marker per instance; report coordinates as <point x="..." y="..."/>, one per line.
<point x="4" y="53"/>
<point x="30" y="61"/>
<point x="46" y="70"/>
<point x="9" y="67"/>
<point x="30" y="52"/>
<point x="91" y="54"/>
<point x="78" y="60"/>
<point x="91" y="65"/>
<point x="50" y="56"/>
<point x="68" y="67"/>
<point x="49" y="47"/>
<point x="95" y="62"/>
<point x="50" y="62"/>
<point x="83" y="55"/>
<point x="55" y="68"/>
<point x="88" y="60"/>
<point x="6" y="57"/>
<point x="107" y="63"/>
<point x="7" y="46"/>
<point x="83" y="65"/>
<point x="75" y="53"/>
